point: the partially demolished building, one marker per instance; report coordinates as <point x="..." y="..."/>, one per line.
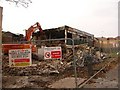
<point x="80" y="37"/>
<point x="9" y="37"/>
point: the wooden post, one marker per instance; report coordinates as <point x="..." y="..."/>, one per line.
<point x="1" y="30"/>
<point x="1" y="9"/>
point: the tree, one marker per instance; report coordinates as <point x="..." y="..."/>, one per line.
<point x="24" y="3"/>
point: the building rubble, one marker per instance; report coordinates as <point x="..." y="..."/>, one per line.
<point x="48" y="67"/>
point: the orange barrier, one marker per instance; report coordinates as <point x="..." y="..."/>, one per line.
<point x="7" y="47"/>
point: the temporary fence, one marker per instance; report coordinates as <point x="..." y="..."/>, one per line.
<point x="57" y="59"/>
<point x="52" y="56"/>
<point x="67" y="51"/>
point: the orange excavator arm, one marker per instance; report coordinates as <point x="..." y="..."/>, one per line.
<point x="31" y="30"/>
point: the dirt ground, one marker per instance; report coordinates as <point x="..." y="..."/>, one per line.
<point x="37" y="76"/>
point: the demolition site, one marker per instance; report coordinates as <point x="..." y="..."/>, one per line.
<point x="62" y="57"/>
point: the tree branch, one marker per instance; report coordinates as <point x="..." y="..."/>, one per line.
<point x="24" y="3"/>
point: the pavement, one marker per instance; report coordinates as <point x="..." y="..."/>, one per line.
<point x="109" y="81"/>
<point x="68" y="82"/>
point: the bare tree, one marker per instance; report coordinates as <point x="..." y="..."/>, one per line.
<point x="24" y="3"/>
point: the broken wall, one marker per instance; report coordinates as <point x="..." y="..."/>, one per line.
<point x="80" y="37"/>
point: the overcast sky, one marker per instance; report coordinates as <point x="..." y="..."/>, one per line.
<point x="98" y="17"/>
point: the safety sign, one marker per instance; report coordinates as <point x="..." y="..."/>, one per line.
<point x="52" y="53"/>
<point x="19" y="57"/>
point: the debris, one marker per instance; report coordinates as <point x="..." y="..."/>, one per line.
<point x="54" y="72"/>
<point x="98" y="55"/>
<point x="37" y="57"/>
<point x="42" y="67"/>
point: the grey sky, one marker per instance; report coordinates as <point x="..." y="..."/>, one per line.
<point x="98" y="17"/>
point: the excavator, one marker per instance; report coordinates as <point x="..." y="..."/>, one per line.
<point x="32" y="29"/>
<point x="29" y="31"/>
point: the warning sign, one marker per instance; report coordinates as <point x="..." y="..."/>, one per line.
<point x="52" y="53"/>
<point x="56" y="54"/>
<point x="19" y="57"/>
<point x="47" y="54"/>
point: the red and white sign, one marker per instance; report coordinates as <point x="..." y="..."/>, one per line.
<point x="52" y="53"/>
<point x="47" y="54"/>
<point x="19" y="57"/>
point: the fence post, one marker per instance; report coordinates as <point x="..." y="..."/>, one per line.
<point x="75" y="71"/>
<point x="1" y="10"/>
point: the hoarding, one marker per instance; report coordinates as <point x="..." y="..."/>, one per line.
<point x="7" y="47"/>
<point x="52" y="53"/>
<point x="19" y="57"/>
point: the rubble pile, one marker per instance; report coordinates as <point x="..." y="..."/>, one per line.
<point x="47" y="67"/>
<point x="97" y="56"/>
<point x="44" y="73"/>
<point x="44" y="67"/>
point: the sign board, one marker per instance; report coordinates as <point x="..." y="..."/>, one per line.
<point x="7" y="47"/>
<point x="19" y="57"/>
<point x="52" y="53"/>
